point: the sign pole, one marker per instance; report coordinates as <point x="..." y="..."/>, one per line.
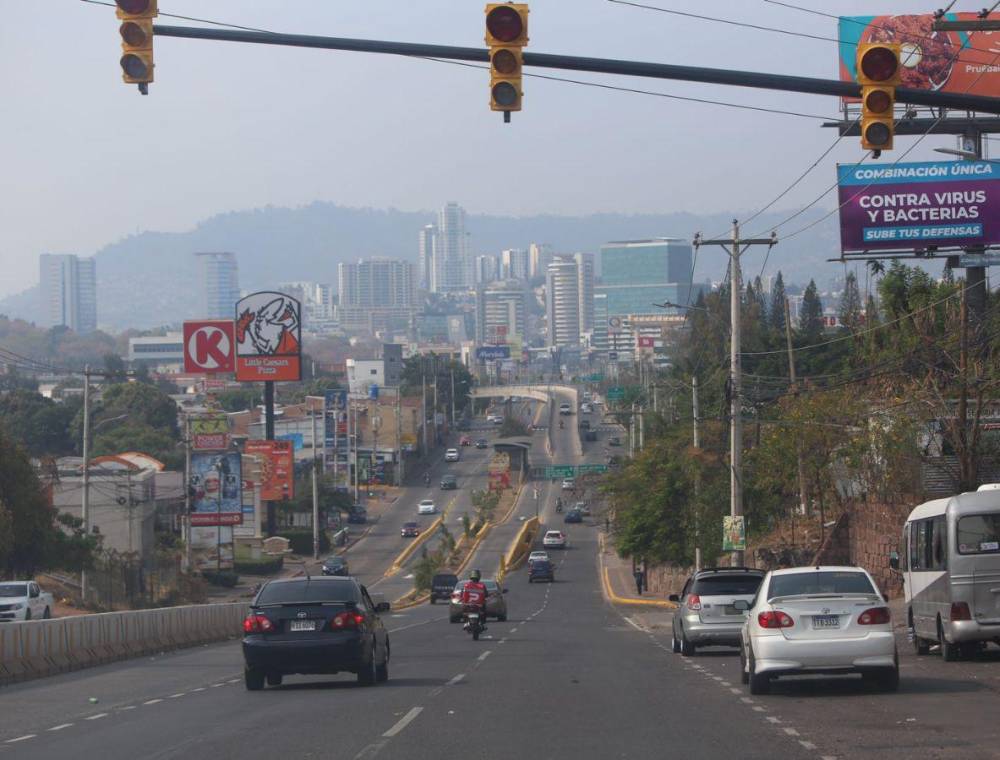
<point x="272" y="527"/>
<point x="315" y="491"/>
<point x="187" y="493"/>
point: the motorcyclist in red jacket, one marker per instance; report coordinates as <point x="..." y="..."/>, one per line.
<point x="474" y="596"/>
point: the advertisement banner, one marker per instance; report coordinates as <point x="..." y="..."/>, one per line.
<point x="298" y="440"/>
<point x="216" y="482"/>
<point x="960" y="62"/>
<point x="334" y="422"/>
<point x="928" y="204"/>
<point x="268" y="338"/>
<point x="492" y="353"/>
<point x="210" y="432"/>
<point x="208" y="346"/>
<point x="211" y="547"/>
<point x="734" y="534"/>
<point x="277" y="469"/>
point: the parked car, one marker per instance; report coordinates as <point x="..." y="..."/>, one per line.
<point x="426" y="507"/>
<point x="573" y="516"/>
<point x="568" y="484"/>
<point x="817" y="620"/>
<point x="706" y="614"/>
<point x="451" y="455"/>
<point x="496" y="603"/>
<point x="465" y="441"/>
<point x="409" y="530"/>
<point x="565" y="408"/>
<point x="314" y="625"/>
<point x="543" y="570"/>
<point x="554" y="539"/>
<point x="448" y="482"/>
<point x="335" y="565"/>
<point x="24" y="600"/>
<point x="482" y="443"/>
<point x="357" y="515"/>
<point x="442" y="584"/>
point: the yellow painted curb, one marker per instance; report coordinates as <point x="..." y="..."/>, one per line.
<point x="629" y="600"/>
<point x="413" y="546"/>
<point x="399" y="604"/>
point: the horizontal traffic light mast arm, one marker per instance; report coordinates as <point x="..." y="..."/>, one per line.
<point x="598" y="65"/>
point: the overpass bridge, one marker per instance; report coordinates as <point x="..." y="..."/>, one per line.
<point x="544" y="393"/>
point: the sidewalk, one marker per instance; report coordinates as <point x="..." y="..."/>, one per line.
<point x="618" y="582"/>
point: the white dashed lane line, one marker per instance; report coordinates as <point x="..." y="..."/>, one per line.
<point x="174" y="696"/>
<point x="21" y="739"/>
<point x="152" y="701"/>
<point x="96" y="717"/>
<point x="484" y="655"/>
<point x="60" y="727"/>
<point x="403" y="722"/>
<point x="456" y="679"/>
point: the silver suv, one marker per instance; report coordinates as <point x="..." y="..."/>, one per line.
<point x="706" y="615"/>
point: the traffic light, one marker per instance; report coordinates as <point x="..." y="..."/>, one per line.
<point x="506" y="35"/>
<point x="878" y="75"/>
<point x="136" y="32"/>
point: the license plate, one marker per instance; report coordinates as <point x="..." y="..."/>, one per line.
<point x="826" y="621"/>
<point x="730" y="610"/>
<point x="473" y="616"/>
<point x="303" y="625"/>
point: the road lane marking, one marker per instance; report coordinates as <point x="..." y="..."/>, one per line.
<point x="456" y="679"/>
<point x="758" y="708"/>
<point x="734" y="690"/>
<point x="403" y="722"/>
<point x="217" y="685"/>
<point x="21" y="738"/>
<point x="128" y="707"/>
<point x="60" y="727"/>
<point x="414" y="625"/>
<point x="96" y="717"/>
<point x="772" y="719"/>
<point x="234" y="680"/>
<point x="484" y="655"/>
<point x="746" y="700"/>
<point x="200" y="688"/>
<point x="791" y="732"/>
<point x="179" y="694"/>
<point x="152" y="701"/>
<point x="807" y="745"/>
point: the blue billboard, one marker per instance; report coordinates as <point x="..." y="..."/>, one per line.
<point x="492" y="353"/>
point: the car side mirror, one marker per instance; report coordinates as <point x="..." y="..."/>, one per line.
<point x="894" y="560"/>
<point x="742" y="605"/>
<point x="383" y="607"/>
<point x="673" y="598"/>
<point x="506" y="590"/>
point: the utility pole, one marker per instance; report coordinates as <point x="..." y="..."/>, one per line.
<point x="452" y="394"/>
<point x="736" y="247"/>
<point x="435" y="365"/>
<point x="357" y="475"/>
<point x="803" y="507"/>
<point x="85" y="506"/>
<point x="642" y="435"/>
<point x="696" y="441"/>
<point x="399" y="438"/>
<point x="315" y="490"/>
<point x="423" y="404"/>
<point x="187" y="493"/>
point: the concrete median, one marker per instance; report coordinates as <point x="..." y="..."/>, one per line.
<point x="45" y="647"/>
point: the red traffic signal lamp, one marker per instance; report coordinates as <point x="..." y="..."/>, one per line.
<point x="506" y="35"/>
<point x="136" y="32"/>
<point x="878" y="66"/>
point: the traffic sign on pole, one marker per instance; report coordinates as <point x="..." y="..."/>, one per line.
<point x="616" y="393"/>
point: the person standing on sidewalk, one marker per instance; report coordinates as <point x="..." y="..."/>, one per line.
<point x="638" y="580"/>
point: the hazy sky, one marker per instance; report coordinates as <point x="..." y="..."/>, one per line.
<point x="86" y="160"/>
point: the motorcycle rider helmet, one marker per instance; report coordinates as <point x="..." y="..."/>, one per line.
<point x="475" y="575"/>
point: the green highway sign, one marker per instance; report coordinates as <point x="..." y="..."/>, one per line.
<point x="583" y="469"/>
<point x="560" y="471"/>
<point x="616" y="393"/>
<point x="595" y="378"/>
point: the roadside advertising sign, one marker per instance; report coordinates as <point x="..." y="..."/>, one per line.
<point x="987" y="259"/>
<point x="734" y="534"/>
<point x="960" y="62"/>
<point x="211" y="547"/>
<point x="334" y="422"/>
<point x="277" y="469"/>
<point x="210" y="432"/>
<point x="645" y="342"/>
<point x="614" y="324"/>
<point x="929" y="204"/>
<point x="208" y="346"/>
<point x="216" y="483"/>
<point x="268" y="338"/>
<point x="298" y="440"/>
<point x="492" y="353"/>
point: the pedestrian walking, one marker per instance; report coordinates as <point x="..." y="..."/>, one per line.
<point x="607" y="524"/>
<point x="638" y="581"/>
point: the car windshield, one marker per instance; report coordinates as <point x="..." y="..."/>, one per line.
<point x="821" y="582"/>
<point x="491" y="585"/>
<point x="726" y="585"/>
<point x="309" y="591"/>
<point x="13" y="589"/>
<point x="334" y="561"/>
<point x="979" y="534"/>
<point x="553" y="534"/>
<point x="443" y="580"/>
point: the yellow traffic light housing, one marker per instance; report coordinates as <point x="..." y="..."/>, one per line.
<point x="506" y="35"/>
<point x="878" y="67"/>
<point x="136" y="32"/>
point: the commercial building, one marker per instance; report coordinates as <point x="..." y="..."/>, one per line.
<point x="562" y="302"/>
<point x="599" y="334"/>
<point x="637" y="274"/>
<point x="427" y="240"/>
<point x="376" y="295"/>
<point x="539" y="258"/>
<point x="514" y="264"/>
<point x="500" y="313"/>
<point x="69" y="291"/>
<point x="220" y="283"/>
<point x="384" y="372"/>
<point x="486" y="269"/>
<point x="160" y="352"/>
<point x="585" y="287"/>
<point x="452" y="268"/>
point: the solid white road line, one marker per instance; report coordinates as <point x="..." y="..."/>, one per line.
<point x="403" y="722"/>
<point x="60" y="727"/>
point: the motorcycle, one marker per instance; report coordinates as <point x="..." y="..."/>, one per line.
<point x="561" y="425"/>
<point x="558" y="505"/>
<point x="427" y="479"/>
<point x="474" y="624"/>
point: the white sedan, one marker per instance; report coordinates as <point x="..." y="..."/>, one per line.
<point x="817" y="620"/>
<point x="554" y="539"/>
<point x="451" y="455"/>
<point x="426" y="507"/>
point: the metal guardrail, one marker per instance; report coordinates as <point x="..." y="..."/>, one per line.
<point x="45" y="647"/>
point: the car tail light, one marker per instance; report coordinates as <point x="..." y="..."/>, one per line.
<point x="694" y="602"/>
<point x="349" y="620"/>
<point x="874" y="616"/>
<point x="960" y="611"/>
<point x="774" y="619"/>
<point x="257" y="624"/>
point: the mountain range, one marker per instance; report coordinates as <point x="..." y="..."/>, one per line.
<point x="152" y="278"/>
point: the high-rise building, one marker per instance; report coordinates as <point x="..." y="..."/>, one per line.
<point x="375" y="294"/>
<point x="637" y="274"/>
<point x="562" y="302"/>
<point x="220" y="282"/>
<point x="69" y="291"/>
<point x="514" y="264"/>
<point x="428" y="241"/>
<point x="599" y="335"/>
<point x="500" y="313"/>
<point x="486" y="269"/>
<point x="452" y="268"/>
<point x="585" y="287"/>
<point x="539" y="257"/>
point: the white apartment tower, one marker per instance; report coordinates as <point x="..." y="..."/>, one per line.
<point x="428" y="241"/>
<point x="220" y="283"/>
<point x="69" y="291"/>
<point x="562" y="302"/>
<point x="452" y="268"/>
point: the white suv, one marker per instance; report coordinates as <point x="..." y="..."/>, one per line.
<point x="554" y="539"/>
<point x="451" y="455"/>
<point x="426" y="507"/>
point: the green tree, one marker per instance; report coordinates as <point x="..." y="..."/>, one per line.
<point x="811" y="314"/>
<point x="850" y="304"/>
<point x="513" y="427"/>
<point x="39" y="424"/>
<point x="430" y="367"/>
<point x="776" y="312"/>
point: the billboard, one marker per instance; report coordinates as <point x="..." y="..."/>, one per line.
<point x="216" y="489"/>
<point x="734" y="534"/>
<point x="334" y="421"/>
<point x="209" y="432"/>
<point x="268" y="338"/>
<point x="208" y="346"/>
<point x="929" y="204"/>
<point x="277" y="469"/>
<point x="491" y="353"/>
<point x="211" y="547"/>
<point x="959" y="62"/>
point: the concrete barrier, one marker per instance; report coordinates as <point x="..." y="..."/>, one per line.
<point x="45" y="647"/>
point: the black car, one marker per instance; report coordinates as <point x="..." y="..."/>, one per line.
<point x="335" y="565"/>
<point x="584" y="424"/>
<point x="448" y="482"/>
<point x="357" y="515"/>
<point x="573" y="516"/>
<point x="590" y="435"/>
<point x="314" y="625"/>
<point x="614" y="441"/>
<point x="482" y="443"/>
<point x="442" y="585"/>
<point x="541" y="570"/>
